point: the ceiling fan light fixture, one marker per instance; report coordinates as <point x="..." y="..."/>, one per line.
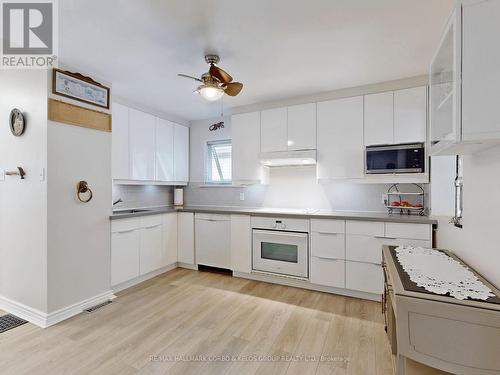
<point x="211" y="93"/>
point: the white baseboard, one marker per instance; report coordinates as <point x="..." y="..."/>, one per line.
<point x="127" y="284"/>
<point x="44" y="320"/>
<point x="288" y="281"/>
<point x="22" y="311"/>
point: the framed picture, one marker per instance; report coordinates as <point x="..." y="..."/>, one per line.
<point x="80" y="87"/>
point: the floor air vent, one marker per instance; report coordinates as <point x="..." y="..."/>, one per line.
<point x="10" y="321"/>
<point x="96" y="307"/>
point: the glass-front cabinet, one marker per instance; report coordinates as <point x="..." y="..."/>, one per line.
<point x="464" y="81"/>
<point x="444" y="83"/>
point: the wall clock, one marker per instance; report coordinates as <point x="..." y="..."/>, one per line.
<point x="17" y="122"/>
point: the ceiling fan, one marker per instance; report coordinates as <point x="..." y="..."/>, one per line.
<point x="216" y="82"/>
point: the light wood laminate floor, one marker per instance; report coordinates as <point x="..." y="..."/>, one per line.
<point x="154" y="327"/>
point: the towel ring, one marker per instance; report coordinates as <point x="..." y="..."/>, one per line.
<point x="83" y="188"/>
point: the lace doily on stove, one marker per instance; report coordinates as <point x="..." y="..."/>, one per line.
<point x="438" y="273"/>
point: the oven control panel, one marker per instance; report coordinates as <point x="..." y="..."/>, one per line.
<point x="280" y="223"/>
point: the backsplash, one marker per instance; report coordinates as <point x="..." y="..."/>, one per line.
<point x="295" y="187"/>
<point x="135" y="196"/>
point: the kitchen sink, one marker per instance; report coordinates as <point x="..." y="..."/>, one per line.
<point x="129" y="211"/>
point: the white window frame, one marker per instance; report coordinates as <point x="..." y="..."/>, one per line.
<point x="208" y="162"/>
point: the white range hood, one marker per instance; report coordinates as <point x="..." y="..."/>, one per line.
<point x="288" y="158"/>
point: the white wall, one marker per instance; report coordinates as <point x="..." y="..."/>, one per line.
<point x="478" y="242"/>
<point x="289" y="187"/>
<point x="79" y="248"/>
<point x="23" y="218"/>
<point x="140" y="196"/>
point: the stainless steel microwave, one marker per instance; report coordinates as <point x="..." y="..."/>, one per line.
<point x="390" y="159"/>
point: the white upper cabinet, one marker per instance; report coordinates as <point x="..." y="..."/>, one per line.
<point x="142" y="145"/>
<point x="340" y="139"/>
<point x="410" y="115"/>
<point x="480" y="71"/>
<point x="120" y="153"/>
<point x="288" y="128"/>
<point x="246" y="146"/>
<point x="164" y="164"/>
<point x="181" y="153"/>
<point x="273" y="130"/>
<point x="396" y="117"/>
<point x="379" y="119"/>
<point x="148" y="149"/>
<point x="302" y="127"/>
<point x="465" y="80"/>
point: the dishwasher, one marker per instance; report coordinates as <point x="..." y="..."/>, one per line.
<point x="213" y="240"/>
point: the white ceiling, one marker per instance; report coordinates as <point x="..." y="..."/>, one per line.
<point x="277" y="48"/>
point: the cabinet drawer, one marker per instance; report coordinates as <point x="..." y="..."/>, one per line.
<point x="328" y="245"/>
<point x="281" y="223"/>
<point x="404" y="230"/>
<point x="365" y="248"/>
<point x="328" y="272"/>
<point x="125" y="225"/>
<point x="151" y="221"/>
<point x="367" y="228"/>
<point x="327" y="226"/>
<point x="365" y="277"/>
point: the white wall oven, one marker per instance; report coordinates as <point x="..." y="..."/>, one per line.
<point x="280" y="246"/>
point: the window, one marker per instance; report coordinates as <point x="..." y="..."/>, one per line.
<point x="218" y="165"/>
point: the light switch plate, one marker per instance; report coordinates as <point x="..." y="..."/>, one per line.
<point x="242" y="196"/>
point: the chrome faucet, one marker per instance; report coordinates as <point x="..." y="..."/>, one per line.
<point x="118" y="201"/>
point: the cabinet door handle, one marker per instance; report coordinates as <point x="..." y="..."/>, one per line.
<point x="328" y="233"/>
<point x="326" y="258"/>
<point x="385" y="238"/>
<point x="152" y="226"/>
<point x="126" y="231"/>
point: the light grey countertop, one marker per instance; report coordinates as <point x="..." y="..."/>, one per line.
<point x="124" y="213"/>
<point x="300" y="213"/>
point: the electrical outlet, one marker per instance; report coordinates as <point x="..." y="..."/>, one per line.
<point x="385" y="199"/>
<point x="242" y="196"/>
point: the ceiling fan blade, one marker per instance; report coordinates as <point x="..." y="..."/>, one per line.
<point x="220" y="74"/>
<point x="186" y="76"/>
<point x="233" y="88"/>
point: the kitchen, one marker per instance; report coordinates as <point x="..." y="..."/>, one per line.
<point x="261" y="226"/>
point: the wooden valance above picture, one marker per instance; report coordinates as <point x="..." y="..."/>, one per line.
<point x="71" y="114"/>
<point x="78" y="87"/>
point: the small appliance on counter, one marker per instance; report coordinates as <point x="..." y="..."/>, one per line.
<point x="410" y="202"/>
<point x="178" y="197"/>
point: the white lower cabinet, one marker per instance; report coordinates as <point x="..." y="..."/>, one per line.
<point x="125" y="255"/>
<point x="185" y="237"/>
<point x="348" y="254"/>
<point x="169" y="238"/>
<point x="141" y="245"/>
<point x="361" y="248"/>
<point x="241" y="243"/>
<point x="364" y="277"/>
<point x="328" y="245"/>
<point x="151" y="254"/>
<point x="328" y="272"/>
